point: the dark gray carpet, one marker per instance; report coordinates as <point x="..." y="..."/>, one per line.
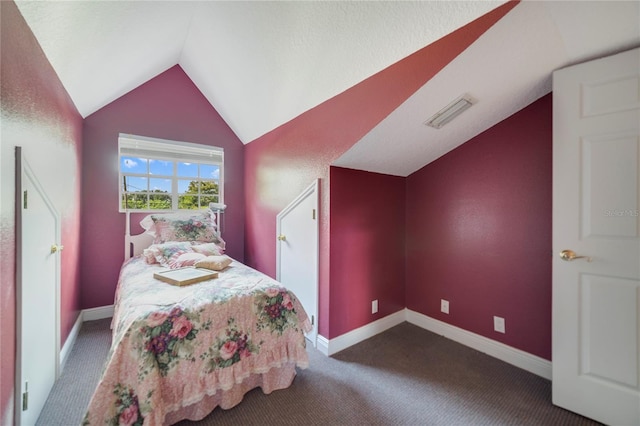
<point x="404" y="376"/>
<point x="71" y="393"/>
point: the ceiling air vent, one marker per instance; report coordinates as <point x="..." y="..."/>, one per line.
<point x="450" y="112"/>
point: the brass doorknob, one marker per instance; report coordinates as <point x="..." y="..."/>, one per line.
<point x="282" y="237"/>
<point x="569" y="255"/>
<point x="55" y="248"/>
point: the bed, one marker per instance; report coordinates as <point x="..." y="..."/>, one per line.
<point x="178" y="352"/>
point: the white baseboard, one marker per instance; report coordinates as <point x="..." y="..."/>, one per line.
<point x="322" y="344"/>
<point x="85" y="315"/>
<point x="508" y="354"/>
<point x="71" y="340"/>
<point x="521" y="359"/>
<point x="100" y="312"/>
<point x="330" y="347"/>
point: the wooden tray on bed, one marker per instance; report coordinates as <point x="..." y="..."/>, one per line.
<point x="185" y="276"/>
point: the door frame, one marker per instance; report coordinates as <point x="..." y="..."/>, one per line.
<point x="311" y="190"/>
<point x="24" y="171"/>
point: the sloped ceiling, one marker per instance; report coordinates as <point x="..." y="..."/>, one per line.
<point x="261" y="64"/>
<point x="506" y="69"/>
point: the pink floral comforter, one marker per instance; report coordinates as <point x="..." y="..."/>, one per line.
<point x="173" y="346"/>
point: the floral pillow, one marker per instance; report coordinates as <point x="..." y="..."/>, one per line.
<point x="162" y="253"/>
<point x="184" y="226"/>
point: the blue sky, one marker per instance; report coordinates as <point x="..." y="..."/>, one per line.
<point x="186" y="173"/>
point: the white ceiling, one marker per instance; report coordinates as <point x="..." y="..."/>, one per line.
<point x="506" y="69"/>
<point x="261" y="64"/>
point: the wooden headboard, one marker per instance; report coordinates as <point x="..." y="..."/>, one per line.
<point x="134" y="244"/>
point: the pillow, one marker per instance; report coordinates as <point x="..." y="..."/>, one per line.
<point x="149" y="256"/>
<point x="184" y="259"/>
<point x="215" y="263"/>
<point x="162" y="252"/>
<point x="196" y="225"/>
<point x="148" y="226"/>
<point x="208" y="249"/>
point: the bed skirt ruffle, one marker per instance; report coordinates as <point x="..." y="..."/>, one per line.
<point x="274" y="379"/>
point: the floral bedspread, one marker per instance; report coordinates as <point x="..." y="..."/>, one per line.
<point x="174" y="345"/>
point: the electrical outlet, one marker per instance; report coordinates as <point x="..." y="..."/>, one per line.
<point x="374" y="306"/>
<point x="444" y="306"/>
<point x="498" y="324"/>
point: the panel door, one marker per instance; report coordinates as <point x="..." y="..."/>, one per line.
<point x="37" y="295"/>
<point x="297" y="252"/>
<point x="596" y="202"/>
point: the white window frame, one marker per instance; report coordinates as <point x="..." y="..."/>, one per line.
<point x="167" y="150"/>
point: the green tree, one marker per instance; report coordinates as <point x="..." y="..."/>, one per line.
<point x="160" y="200"/>
<point x="198" y="195"/>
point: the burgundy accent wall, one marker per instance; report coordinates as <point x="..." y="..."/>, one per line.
<point x="37" y="114"/>
<point x="280" y="164"/>
<point x="479" y="232"/>
<point x="168" y="106"/>
<point x="367" y="247"/>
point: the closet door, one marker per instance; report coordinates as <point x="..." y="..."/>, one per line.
<point x="297" y="252"/>
<point x="37" y="294"/>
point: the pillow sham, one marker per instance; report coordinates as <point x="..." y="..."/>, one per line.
<point x="197" y="226"/>
<point x="148" y="226"/>
<point x="215" y="263"/>
<point x="184" y="259"/>
<point x="162" y="253"/>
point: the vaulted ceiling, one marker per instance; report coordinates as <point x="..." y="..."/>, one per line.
<point x="261" y="64"/>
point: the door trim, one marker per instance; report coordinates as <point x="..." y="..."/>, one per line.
<point x="24" y="171"/>
<point x="313" y="188"/>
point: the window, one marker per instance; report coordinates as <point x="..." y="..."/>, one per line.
<point x="157" y="174"/>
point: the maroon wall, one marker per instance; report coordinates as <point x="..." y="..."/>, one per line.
<point x="38" y="115"/>
<point x="479" y="232"/>
<point x="168" y="107"/>
<point x="280" y="164"/>
<point x="367" y="247"/>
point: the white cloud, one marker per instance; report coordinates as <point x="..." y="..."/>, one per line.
<point x="129" y="163"/>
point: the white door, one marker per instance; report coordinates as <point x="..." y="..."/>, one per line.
<point x="297" y="252"/>
<point x="596" y="198"/>
<point x="37" y="291"/>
